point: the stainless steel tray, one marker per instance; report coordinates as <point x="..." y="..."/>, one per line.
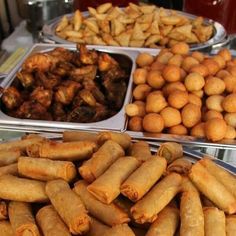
<point x="116" y="122"/>
<point x="220" y="34"/>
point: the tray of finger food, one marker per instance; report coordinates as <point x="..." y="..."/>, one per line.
<point x="184" y="96"/>
<point x="96" y="184"/>
<point x="68" y="87"/>
<point x="144" y="26"/>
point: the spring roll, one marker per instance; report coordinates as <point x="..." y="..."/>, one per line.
<point x="121" y="138"/>
<point x="141" y="151"/>
<point x="71" y="136"/>
<point x="170" y="151"/>
<point x="230" y="225"/>
<point x="22" y="220"/>
<point x="107" y="187"/>
<point x="70" y="151"/>
<point x="3" y="210"/>
<point x="119" y="230"/>
<point x="166" y="222"/>
<point x="223" y="176"/>
<point x="146" y="209"/>
<point x="21" y="189"/>
<point x="106" y="155"/>
<point x="180" y="166"/>
<point x="68" y="205"/>
<point x="97" y="228"/>
<point x="51" y="223"/>
<point x="212" y="188"/>
<point x="141" y="181"/>
<point x="9" y="169"/>
<point x="6" y="228"/>
<point x="214" y="221"/>
<point x="110" y="214"/>
<point x="45" y="169"/>
<point x="9" y="157"/>
<point x="191" y="212"/>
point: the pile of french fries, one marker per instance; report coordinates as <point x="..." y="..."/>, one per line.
<point x="133" y="26"/>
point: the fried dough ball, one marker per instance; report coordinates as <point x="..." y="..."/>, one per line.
<point x="225" y="53"/>
<point x="232" y="70"/>
<point x="220" y="60"/>
<point x="215" y="129"/>
<point x="178" y="129"/>
<point x="230" y="83"/>
<point x="222" y="73"/>
<point x="140" y="75"/>
<point x="153" y="123"/>
<point x="199" y="93"/>
<point x="171" y="116"/>
<point x="178" y="99"/>
<point x="214" y="102"/>
<point x="176" y="60"/>
<point x="194" y="82"/>
<point x="164" y="57"/>
<point x="198" y="130"/>
<point x="194" y="99"/>
<point x="156" y="65"/>
<point x="212" y="114"/>
<point x="171" y="73"/>
<point x="135" y="123"/>
<point x="213" y="66"/>
<point x="141" y="91"/>
<point x="183" y="74"/>
<point x="155" y="79"/>
<point x="170" y="87"/>
<point x="144" y="59"/>
<point x="198" y="55"/>
<point x="180" y="48"/>
<point x="141" y="107"/>
<point x="214" y="86"/>
<point x="189" y="62"/>
<point x="135" y="109"/>
<point x="200" y="69"/>
<point x="155" y="102"/>
<point x="229" y="103"/>
<point x="230" y="133"/>
<point x="191" y="115"/>
<point x="230" y="119"/>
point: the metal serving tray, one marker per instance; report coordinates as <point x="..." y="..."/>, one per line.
<point x="220" y="34"/>
<point x="116" y="122"/>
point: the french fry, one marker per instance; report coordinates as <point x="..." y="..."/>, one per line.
<point x="77" y="20"/>
<point x="108" y="39"/>
<point x="116" y="27"/>
<point x="62" y="24"/>
<point x="104" y="7"/>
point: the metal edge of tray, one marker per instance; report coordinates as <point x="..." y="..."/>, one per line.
<point x="220" y="34"/>
<point x="116" y="122"/>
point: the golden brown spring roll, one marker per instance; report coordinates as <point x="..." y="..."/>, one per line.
<point x="22" y="220"/>
<point x="70" y="151"/>
<point x="9" y="169"/>
<point x="9" y="157"/>
<point x="212" y="188"/>
<point x="97" y="228"/>
<point x="45" y="169"/>
<point x="141" y="181"/>
<point x="120" y="230"/>
<point x="71" y="136"/>
<point x="141" y="151"/>
<point x="191" y="212"/>
<point x="6" y="228"/>
<point x="121" y="138"/>
<point x="21" y="189"/>
<point x="110" y="214"/>
<point x="3" y="210"/>
<point x="214" y="221"/>
<point x="170" y="151"/>
<point x="107" y="186"/>
<point x="180" y="166"/>
<point x="146" y="209"/>
<point x="223" y="176"/>
<point x="51" y="223"/>
<point x="166" y="222"/>
<point x="230" y="225"/>
<point x="107" y="154"/>
<point x="68" y="205"/>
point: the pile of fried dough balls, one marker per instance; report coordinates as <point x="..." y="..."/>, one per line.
<point x="184" y="93"/>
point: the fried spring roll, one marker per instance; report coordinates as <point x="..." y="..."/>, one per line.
<point x="97" y="228"/>
<point x="22" y="220"/>
<point x="166" y="222"/>
<point x="45" y="169"/>
<point x="9" y="157"/>
<point x="6" y="228"/>
<point x="71" y="136"/>
<point x="21" y="189"/>
<point x="107" y="187"/>
<point x="170" y="151"/>
<point x="121" y="138"/>
<point x="223" y="176"/>
<point x="9" y="169"/>
<point x="3" y="210"/>
<point x="68" y="205"/>
<point x="180" y="166"/>
<point x="146" y="209"/>
<point x="67" y="151"/>
<point x="107" y="154"/>
<point x="214" y="221"/>
<point x="120" y="230"/>
<point x="110" y="214"/>
<point x="212" y="188"/>
<point x="141" y="151"/>
<point x="230" y="225"/>
<point x="51" y="223"/>
<point x="141" y="181"/>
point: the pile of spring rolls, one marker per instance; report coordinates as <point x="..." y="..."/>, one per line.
<point x="103" y="184"/>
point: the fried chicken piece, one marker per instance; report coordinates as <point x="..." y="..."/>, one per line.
<point x="85" y="72"/>
<point x="106" y="62"/>
<point x="88" y="97"/>
<point x="88" y="57"/>
<point x="82" y="114"/>
<point x="63" y="69"/>
<point x="26" y="79"/>
<point x="47" y="80"/>
<point x="63" y="54"/>
<point x="58" y="112"/>
<point x="11" y="98"/>
<point x="43" y="96"/>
